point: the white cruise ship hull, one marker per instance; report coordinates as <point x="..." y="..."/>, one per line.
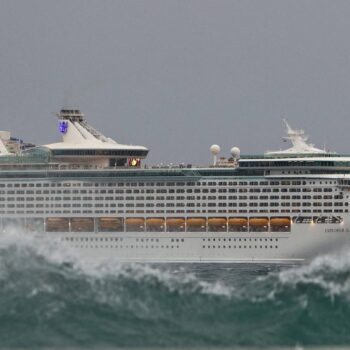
<point x="303" y="243"/>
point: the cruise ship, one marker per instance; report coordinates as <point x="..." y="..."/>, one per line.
<point x="97" y="197"/>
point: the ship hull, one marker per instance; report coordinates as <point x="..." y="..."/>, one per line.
<point x="303" y="243"/>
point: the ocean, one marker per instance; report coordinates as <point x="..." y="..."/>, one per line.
<point x="51" y="299"/>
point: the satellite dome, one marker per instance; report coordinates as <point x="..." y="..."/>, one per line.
<point x="215" y="149"/>
<point x="235" y="152"/>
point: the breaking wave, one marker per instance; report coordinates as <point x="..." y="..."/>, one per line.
<point x="48" y="298"/>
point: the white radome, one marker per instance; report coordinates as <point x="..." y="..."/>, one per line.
<point x="235" y="152"/>
<point x="215" y="149"/>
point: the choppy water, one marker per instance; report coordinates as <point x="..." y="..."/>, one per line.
<point x="50" y="299"/>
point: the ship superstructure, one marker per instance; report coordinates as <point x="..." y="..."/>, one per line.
<point x="94" y="194"/>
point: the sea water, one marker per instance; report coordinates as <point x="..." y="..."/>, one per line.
<point x="51" y="299"/>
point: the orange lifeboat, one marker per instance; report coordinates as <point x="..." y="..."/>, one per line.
<point x="259" y="222"/>
<point x="217" y="221"/>
<point x="238" y="221"/>
<point x="280" y="221"/>
<point x="135" y="221"/>
<point x="175" y="224"/>
<point x="135" y="224"/>
<point x="155" y="221"/>
<point x="196" y="224"/>
<point x="155" y="224"/>
<point x="217" y="224"/>
<point x="280" y="224"/>
<point x="238" y="224"/>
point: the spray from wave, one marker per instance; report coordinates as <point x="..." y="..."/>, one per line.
<point x="48" y="298"/>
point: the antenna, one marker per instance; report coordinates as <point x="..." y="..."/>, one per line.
<point x="289" y="129"/>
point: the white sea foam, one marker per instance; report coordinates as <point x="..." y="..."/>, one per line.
<point x="329" y="272"/>
<point x="58" y="253"/>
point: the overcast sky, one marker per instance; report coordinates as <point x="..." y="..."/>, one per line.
<point x="178" y="76"/>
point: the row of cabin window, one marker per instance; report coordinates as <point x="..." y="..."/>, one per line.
<point x="170" y="191"/>
<point x="221" y="211"/>
<point x="168" y="184"/>
<point x="173" y="205"/>
<point x="168" y="198"/>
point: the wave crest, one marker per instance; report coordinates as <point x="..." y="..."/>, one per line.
<point x="48" y="297"/>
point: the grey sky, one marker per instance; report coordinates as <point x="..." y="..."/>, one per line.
<point x="177" y="76"/>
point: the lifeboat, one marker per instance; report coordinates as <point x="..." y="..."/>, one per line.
<point x="237" y="224"/>
<point x="155" y="224"/>
<point x="135" y="221"/>
<point x="82" y="225"/>
<point x="57" y="225"/>
<point x="258" y="224"/>
<point x="280" y="221"/>
<point x="217" y="224"/>
<point x="175" y="224"/>
<point x="135" y="224"/>
<point x="155" y="221"/>
<point x="196" y="224"/>
<point x="280" y="224"/>
<point x="110" y="224"/>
